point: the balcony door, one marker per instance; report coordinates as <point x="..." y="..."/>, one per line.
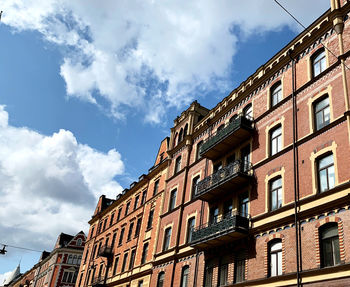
<point x="245" y="157"/>
<point x="214" y="215"/>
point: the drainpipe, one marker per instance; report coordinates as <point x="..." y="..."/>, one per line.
<point x="295" y="172"/>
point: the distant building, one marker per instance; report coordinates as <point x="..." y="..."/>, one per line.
<point x="254" y="192"/>
<point x="57" y="268"/>
<point x="14" y="275"/>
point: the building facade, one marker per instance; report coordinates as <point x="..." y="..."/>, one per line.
<point x="58" y="268"/>
<point x="257" y="189"/>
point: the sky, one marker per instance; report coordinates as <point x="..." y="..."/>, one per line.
<point x="88" y="89"/>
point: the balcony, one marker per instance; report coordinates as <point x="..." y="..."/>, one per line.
<point x="98" y="282"/>
<point x="236" y="132"/>
<point x="105" y="251"/>
<point x="227" y="179"/>
<point x="221" y="230"/>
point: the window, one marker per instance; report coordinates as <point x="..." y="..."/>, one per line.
<point x="184" y="276"/>
<point x="119" y="213"/>
<point x="156" y="186"/>
<point x="322" y="113"/>
<point x="326" y="176"/>
<point x="144" y="253"/>
<point x="276" y="193"/>
<point x="68" y="277"/>
<point x="172" y="201"/>
<point x="160" y="282"/>
<point x="190" y="226"/>
<point x="228" y="208"/>
<point x="275" y="140"/>
<point x="208" y="277"/>
<point x="248" y="112"/>
<point x="175" y="139"/>
<point x="195" y="181"/>
<point x="86" y="255"/>
<point x="329" y="244"/>
<point x="276" y="94"/>
<point x="181" y="135"/>
<point x="239" y="269"/>
<point x="140" y="284"/>
<point x="116" y="260"/>
<point x="318" y="62"/>
<point x="113" y="240"/>
<point x="132" y="259"/>
<point x="223" y="271"/>
<point x="214" y="214"/>
<point x="231" y="159"/>
<point x="104" y="224"/>
<point x="127" y="208"/>
<point x="125" y="259"/>
<point x="177" y="164"/>
<point x="92" y="231"/>
<point x="99" y="248"/>
<point x="79" y="242"/>
<point x="185" y="130"/>
<point x="217" y="167"/>
<point x="245" y="156"/>
<point x="121" y="236"/>
<point x="198" y="150"/>
<point x="144" y="196"/>
<point x="137" y="198"/>
<point x="243" y="204"/>
<point x="111" y="220"/>
<point x="94" y="251"/>
<point x="150" y="219"/>
<point x="70" y="259"/>
<point x="131" y="227"/>
<point x="275" y="257"/>
<point x="138" y="226"/>
<point x="167" y="236"/>
<point x="100" y="227"/>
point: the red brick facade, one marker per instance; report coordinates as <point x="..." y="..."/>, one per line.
<point x="266" y="209"/>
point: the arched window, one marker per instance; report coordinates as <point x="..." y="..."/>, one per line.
<point x="181" y="135"/>
<point x="329" y="244"/>
<point x="275" y="257"/>
<point x="275" y="186"/>
<point x="318" y="62"/>
<point x="248" y="112"/>
<point x="175" y="140"/>
<point x="186" y="130"/>
<point x="276" y="93"/>
<point x="184" y="276"/>
<point x="79" y="241"/>
<point x="160" y="282"/>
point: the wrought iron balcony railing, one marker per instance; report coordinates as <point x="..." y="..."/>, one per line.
<point x="221" y="229"/>
<point x="236" y="131"/>
<point x="105" y="251"/>
<point x="227" y="178"/>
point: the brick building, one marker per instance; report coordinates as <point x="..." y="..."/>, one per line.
<point x="58" y="268"/>
<point x="256" y="191"/>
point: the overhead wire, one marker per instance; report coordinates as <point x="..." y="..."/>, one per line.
<point x="19" y="247"/>
<point x="305" y="28"/>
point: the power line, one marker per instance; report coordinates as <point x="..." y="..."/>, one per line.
<point x="305" y="28"/>
<point x="19" y="247"/>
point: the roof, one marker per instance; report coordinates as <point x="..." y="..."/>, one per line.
<point x="14" y="274"/>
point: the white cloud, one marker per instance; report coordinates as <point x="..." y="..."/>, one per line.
<point x="4" y="276"/>
<point x="131" y="51"/>
<point x="50" y="184"/>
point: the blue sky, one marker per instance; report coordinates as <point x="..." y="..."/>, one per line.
<point x="88" y="92"/>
